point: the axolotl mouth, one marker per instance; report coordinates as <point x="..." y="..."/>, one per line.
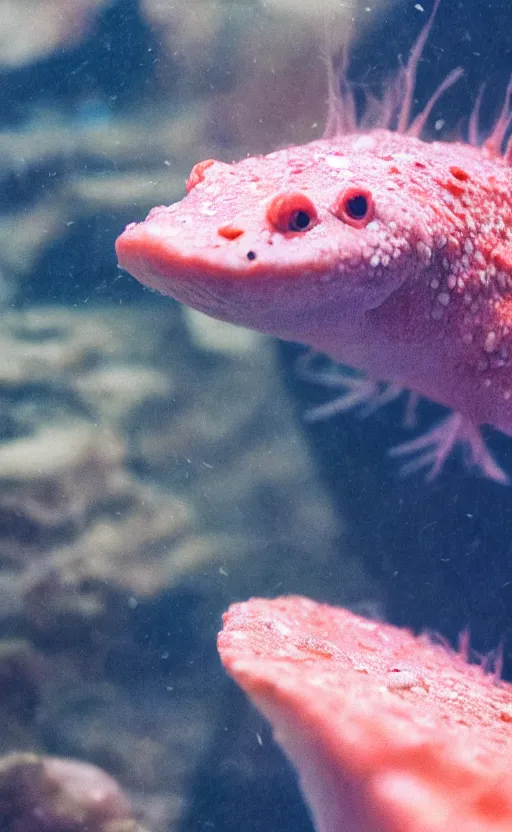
<point x="233" y="280"/>
<point x="241" y="268"/>
<point x="219" y="268"/>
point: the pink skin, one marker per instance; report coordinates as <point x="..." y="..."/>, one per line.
<point x="412" y="285"/>
<point x="320" y="286"/>
<point x="388" y="733"/>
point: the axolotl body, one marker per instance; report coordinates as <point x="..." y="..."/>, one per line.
<point x="390" y="254"/>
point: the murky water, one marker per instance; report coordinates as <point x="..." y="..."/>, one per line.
<point x="156" y="466"/>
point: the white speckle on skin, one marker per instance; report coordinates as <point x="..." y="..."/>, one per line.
<point x="280" y="627"/>
<point x="364" y="143"/>
<point x="171" y="231"/>
<point x="468" y="246"/>
<point x="490" y="342"/>
<point x="374" y="261"/>
<point x="443" y="298"/>
<point x="403" y="156"/>
<point x="502" y="280"/>
<point x="424" y="251"/>
<point x="238" y="636"/>
<point x="337" y="162"/>
<point x="434" y="283"/>
<point x="405" y="680"/>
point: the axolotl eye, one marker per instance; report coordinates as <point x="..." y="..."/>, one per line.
<point x="291" y="211"/>
<point x="354" y="206"/>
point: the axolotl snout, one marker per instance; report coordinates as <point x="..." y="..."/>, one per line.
<point x="302" y="243"/>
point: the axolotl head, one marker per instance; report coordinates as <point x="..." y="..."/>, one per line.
<point x="299" y="243"/>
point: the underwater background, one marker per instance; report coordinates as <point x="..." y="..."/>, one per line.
<point x="156" y="466"/>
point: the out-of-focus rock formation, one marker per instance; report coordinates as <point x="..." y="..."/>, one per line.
<point x="150" y="471"/>
<point x="260" y="65"/>
<point x="43" y="794"/>
<point x="33" y="29"/>
<point x="103" y="413"/>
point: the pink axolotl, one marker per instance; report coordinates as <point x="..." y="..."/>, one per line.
<point x="388" y="253"/>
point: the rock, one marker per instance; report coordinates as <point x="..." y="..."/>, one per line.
<point x="51" y="481"/>
<point x="19" y="680"/>
<point x="43" y="794"/>
<point x="21" y="675"/>
<point x="149" y="473"/>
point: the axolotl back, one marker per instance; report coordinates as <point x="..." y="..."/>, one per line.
<point x="391" y="254"/>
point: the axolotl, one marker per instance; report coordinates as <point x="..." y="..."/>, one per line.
<point x="388" y="253"/>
